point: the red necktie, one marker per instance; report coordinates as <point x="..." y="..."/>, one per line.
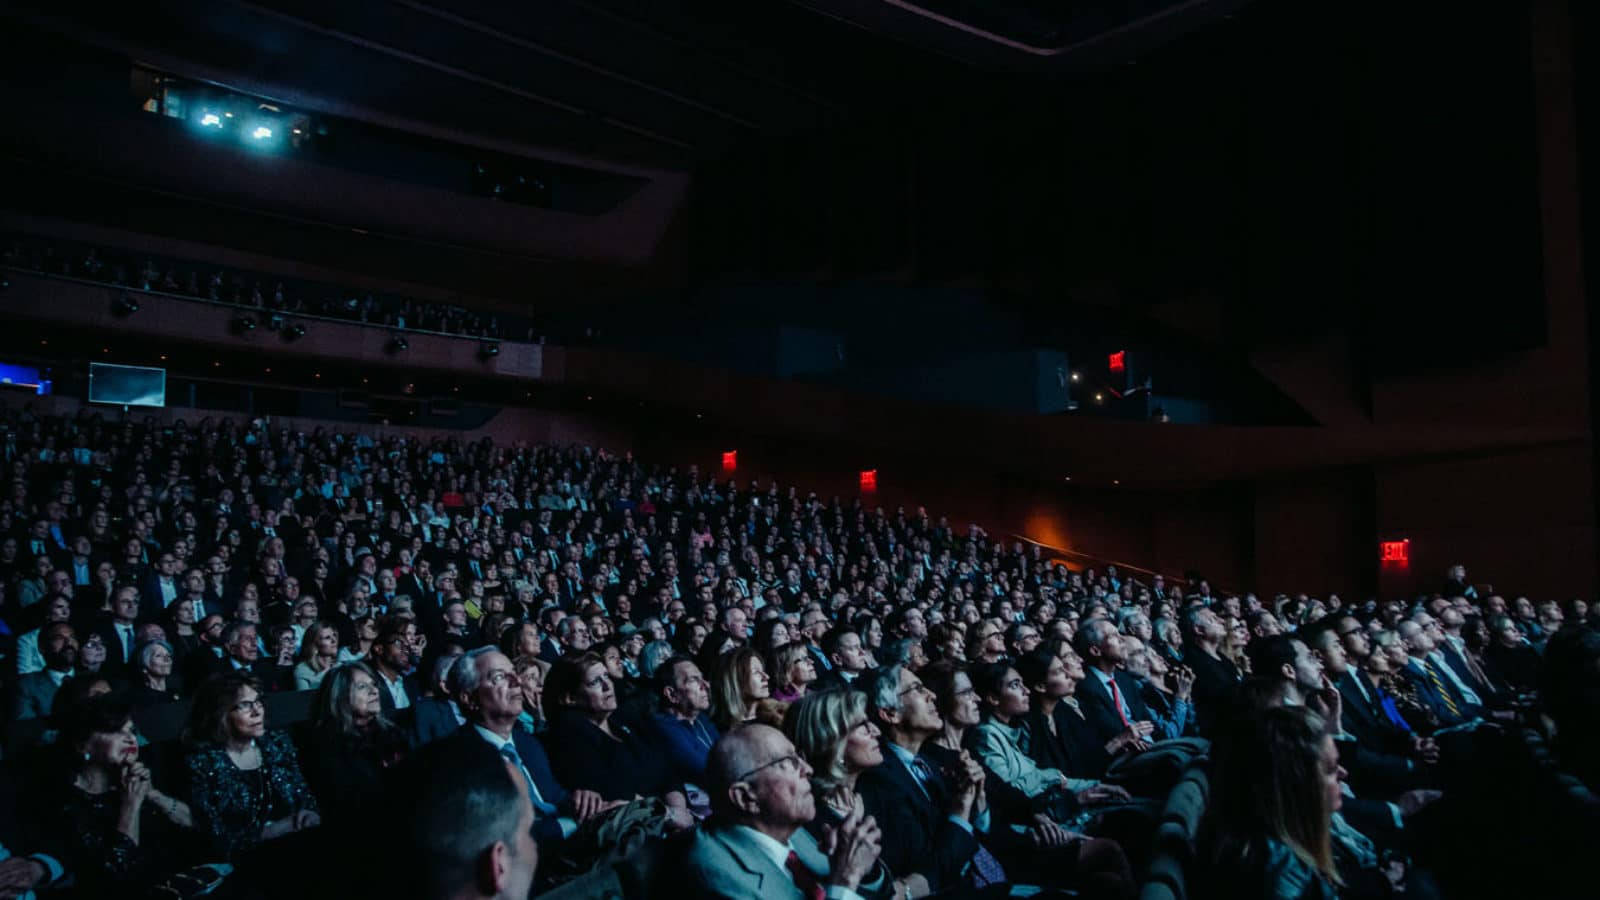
<point x="809" y="887"/>
<point x="1116" y="701"/>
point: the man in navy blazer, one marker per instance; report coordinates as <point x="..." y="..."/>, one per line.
<point x="930" y="826"/>
<point x="491" y="696"/>
<point x="1109" y="697"/>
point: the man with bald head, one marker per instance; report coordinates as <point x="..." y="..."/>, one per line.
<point x="755" y="844"/>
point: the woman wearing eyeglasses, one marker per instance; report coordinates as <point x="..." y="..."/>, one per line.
<point x="350" y="742"/>
<point x="244" y="780"/>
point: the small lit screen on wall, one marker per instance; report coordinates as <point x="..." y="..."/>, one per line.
<point x="1394" y="551"/>
<point x="127" y="385"/>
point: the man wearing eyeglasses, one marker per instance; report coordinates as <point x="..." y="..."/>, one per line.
<point x="755" y="844"/>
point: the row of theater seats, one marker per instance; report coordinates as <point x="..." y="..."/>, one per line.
<point x="1172" y="861"/>
<point x="161" y="725"/>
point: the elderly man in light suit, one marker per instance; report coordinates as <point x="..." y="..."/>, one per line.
<point x="755" y="845"/>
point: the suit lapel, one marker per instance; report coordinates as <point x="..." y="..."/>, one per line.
<point x="756" y="865"/>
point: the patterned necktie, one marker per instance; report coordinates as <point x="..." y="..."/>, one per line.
<point x="985" y="869"/>
<point x="809" y="887"/>
<point x="1438" y="685"/>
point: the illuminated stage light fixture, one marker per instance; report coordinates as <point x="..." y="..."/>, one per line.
<point x="261" y="133"/>
<point x="210" y="120"/>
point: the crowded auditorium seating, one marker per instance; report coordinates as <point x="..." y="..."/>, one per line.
<point x="183" y="609"/>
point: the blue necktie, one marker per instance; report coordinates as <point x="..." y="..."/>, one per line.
<point x="510" y="753"/>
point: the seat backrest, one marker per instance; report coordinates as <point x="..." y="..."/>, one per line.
<point x="1168" y="870"/>
<point x="288" y="708"/>
<point x="162" y="721"/>
<point x="1176" y="841"/>
<point x="1156" y="890"/>
<point x="1184" y="806"/>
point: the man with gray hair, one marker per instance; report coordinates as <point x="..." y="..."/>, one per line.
<point x="491" y="695"/>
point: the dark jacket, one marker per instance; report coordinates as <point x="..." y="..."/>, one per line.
<point x="1100" y="711"/>
<point x="232" y="806"/>
<point x="584" y="757"/>
<point x="918" y="835"/>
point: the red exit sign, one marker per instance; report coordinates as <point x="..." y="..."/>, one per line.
<point x="1394" y="551"/>
<point x="1118" y="361"/>
<point x="869" y="479"/>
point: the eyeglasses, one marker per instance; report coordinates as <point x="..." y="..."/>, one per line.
<point x="918" y="688"/>
<point x="791" y="762"/>
<point x="364" y="687"/>
<point x="246" y="706"/>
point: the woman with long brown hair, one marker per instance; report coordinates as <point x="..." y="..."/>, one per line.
<point x="1267" y="831"/>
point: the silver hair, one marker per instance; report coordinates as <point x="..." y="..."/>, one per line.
<point x="148" y="649"/>
<point x="884" y="691"/>
<point x="465" y="674"/>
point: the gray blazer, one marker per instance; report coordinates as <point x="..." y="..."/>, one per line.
<point x="36" y="693"/>
<point x="724" y="862"/>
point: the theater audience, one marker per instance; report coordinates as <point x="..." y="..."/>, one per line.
<point x="460" y="543"/>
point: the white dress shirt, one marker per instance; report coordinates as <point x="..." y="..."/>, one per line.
<point x="779" y="854"/>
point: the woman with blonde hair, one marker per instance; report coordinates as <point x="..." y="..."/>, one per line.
<point x="1267" y="831"/>
<point x="794" y="669"/>
<point x="832" y="732"/>
<point x="737" y="688"/>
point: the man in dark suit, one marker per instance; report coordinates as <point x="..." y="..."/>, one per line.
<point x="756" y="844"/>
<point x="1363" y="716"/>
<point x="1215" y="679"/>
<point x="160" y="587"/>
<point x="491" y="696"/>
<point x="241" y="652"/>
<point x="1433" y="688"/>
<point x="930" y="822"/>
<point x="1110" y="698"/>
<point x="120" y="632"/>
<point x="843" y="648"/>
